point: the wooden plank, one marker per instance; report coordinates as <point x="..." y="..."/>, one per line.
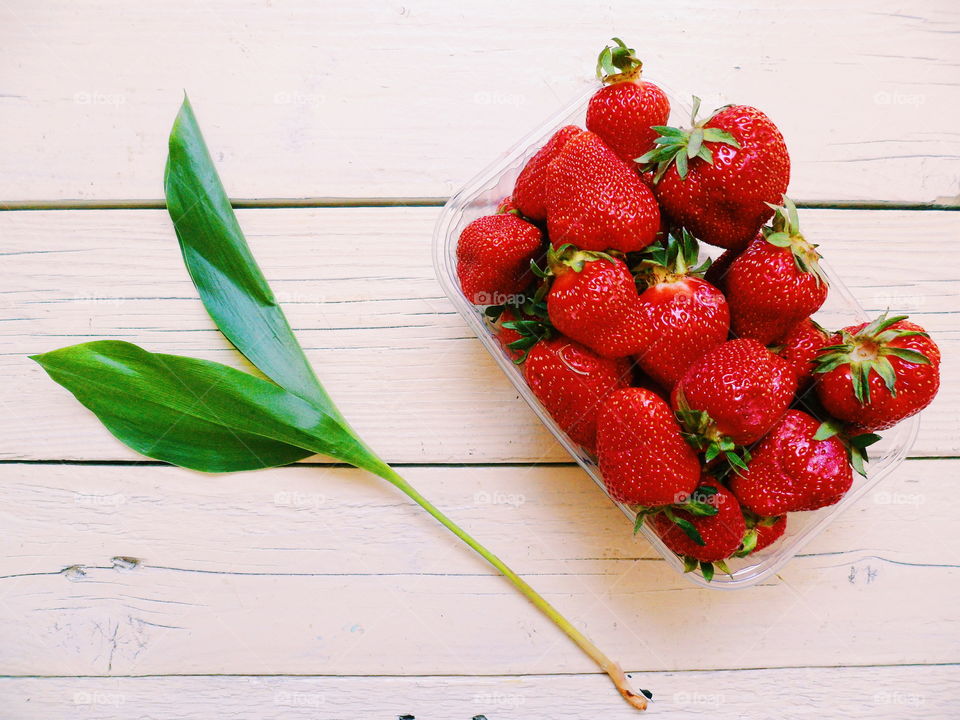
<point x="874" y="693"/>
<point x="328" y="571"/>
<point x="359" y="288"/>
<point x="342" y="99"/>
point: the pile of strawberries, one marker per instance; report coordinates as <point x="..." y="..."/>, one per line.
<point x="713" y="402"/>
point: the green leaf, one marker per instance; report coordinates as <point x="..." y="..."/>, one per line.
<point x="913" y="356"/>
<point x="706" y="569"/>
<point x="827" y="429"/>
<point x="695" y="143"/>
<point x="689" y="529"/>
<point x="200" y="414"/>
<point x="681" y="160"/>
<point x="885" y="371"/>
<point x="780" y="239"/>
<point x="230" y="282"/>
<point x="720" y="136"/>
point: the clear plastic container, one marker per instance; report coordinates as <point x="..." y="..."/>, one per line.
<point x="481" y="195"/>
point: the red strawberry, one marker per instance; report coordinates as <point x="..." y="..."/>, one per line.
<point x="506" y="205"/>
<point x="734" y="394"/>
<point x="717" y="178"/>
<point x="624" y="111"/>
<point x="493" y="257"/>
<point x="800" y="347"/>
<point x="776" y="282"/>
<point x="643" y="458"/>
<point x="593" y="299"/>
<point x="762" y="532"/>
<point x="571" y="382"/>
<point x="684" y="315"/>
<point x="791" y="470"/>
<point x="596" y="201"/>
<point x="530" y="190"/>
<point x="875" y="375"/>
<point x="720" y="534"/>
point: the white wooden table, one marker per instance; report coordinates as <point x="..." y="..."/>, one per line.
<point x="129" y="589"/>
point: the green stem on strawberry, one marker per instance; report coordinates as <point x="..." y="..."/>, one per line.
<point x="784" y="231"/>
<point x="701" y="432"/>
<point x="868" y="351"/>
<point x="610" y="667"/>
<point x="618" y="63"/>
<point x="855" y="444"/>
<point x="678" y="146"/>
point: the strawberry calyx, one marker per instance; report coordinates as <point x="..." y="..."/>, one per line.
<point x="531" y="322"/>
<point x="856" y="444"/>
<point x="679" y="146"/>
<point x="618" y="63"/>
<point x="669" y="260"/>
<point x="784" y="232"/>
<point x="750" y="537"/>
<point x="707" y="569"/>
<point x="569" y="257"/>
<point x="869" y="350"/>
<point x="696" y="503"/>
<point x="701" y="433"/>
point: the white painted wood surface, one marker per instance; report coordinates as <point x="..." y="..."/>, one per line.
<point x="413" y="97"/>
<point x="321" y="592"/>
<point x="853" y="692"/>
<point x="383" y="330"/>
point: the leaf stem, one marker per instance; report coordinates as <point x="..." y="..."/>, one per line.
<point x="610" y="667"/>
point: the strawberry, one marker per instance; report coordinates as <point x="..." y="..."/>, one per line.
<point x="762" y="532"/>
<point x="596" y="201"/>
<point x="776" y="282"/>
<point x="876" y="374"/>
<point x="624" y="111"/>
<point x="571" y="381"/>
<point x="684" y="315"/>
<point x="593" y="299"/>
<point x="732" y="396"/>
<point x="800" y="347"/>
<point x="494" y="255"/>
<point x="506" y="205"/>
<point x="704" y="539"/>
<point x="530" y="190"/>
<point x="791" y="470"/>
<point x="643" y="457"/>
<point x="717" y="178"/>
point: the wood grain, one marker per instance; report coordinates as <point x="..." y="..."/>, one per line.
<point x="157" y="570"/>
<point x="373" y="329"/>
<point x="361" y="99"/>
<point x="789" y="693"/>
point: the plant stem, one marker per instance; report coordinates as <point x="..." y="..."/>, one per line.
<point x="611" y="667"/>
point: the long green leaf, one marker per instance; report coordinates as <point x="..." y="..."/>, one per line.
<point x="200" y="414"/>
<point x="230" y="282"/>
